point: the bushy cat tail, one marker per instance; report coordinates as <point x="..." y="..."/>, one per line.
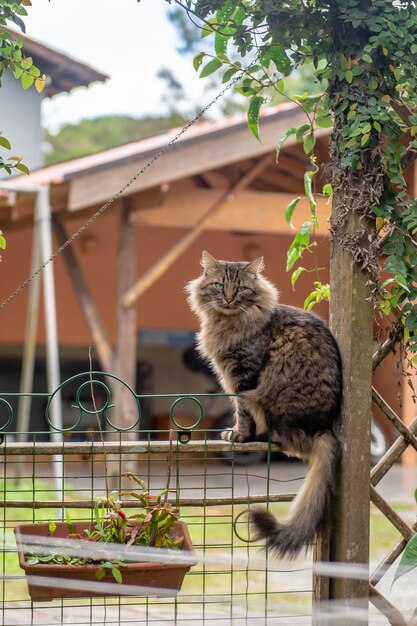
<point x="310" y="508"/>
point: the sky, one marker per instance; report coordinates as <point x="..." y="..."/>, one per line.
<point x="126" y="39"/>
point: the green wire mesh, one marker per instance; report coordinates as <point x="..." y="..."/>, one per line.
<point x="233" y="582"/>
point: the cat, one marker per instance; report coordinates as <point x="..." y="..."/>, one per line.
<point x="285" y="365"/>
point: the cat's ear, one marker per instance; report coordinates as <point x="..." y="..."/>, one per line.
<point x="256" y="266"/>
<point x="208" y="262"/>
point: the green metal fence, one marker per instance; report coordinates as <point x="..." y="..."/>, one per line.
<point x="232" y="582"/>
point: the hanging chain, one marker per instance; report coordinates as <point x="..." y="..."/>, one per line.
<point x="101" y="210"/>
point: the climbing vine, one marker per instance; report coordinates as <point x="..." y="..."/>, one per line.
<point x="363" y="54"/>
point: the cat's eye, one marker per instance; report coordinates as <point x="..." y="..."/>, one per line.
<point x="241" y="288"/>
<point x="218" y="286"/>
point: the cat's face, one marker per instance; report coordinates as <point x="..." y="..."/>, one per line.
<point x="227" y="288"/>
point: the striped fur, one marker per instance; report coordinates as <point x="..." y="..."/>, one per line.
<point x="285" y="364"/>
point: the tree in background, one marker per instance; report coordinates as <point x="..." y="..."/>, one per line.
<point x="194" y="38"/>
<point x="100" y="133"/>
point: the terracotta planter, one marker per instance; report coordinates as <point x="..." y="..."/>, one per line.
<point x="157" y="579"/>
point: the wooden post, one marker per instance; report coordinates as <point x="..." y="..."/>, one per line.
<point x="351" y="320"/>
<point x="126" y="342"/>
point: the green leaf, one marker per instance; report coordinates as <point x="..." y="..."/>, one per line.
<point x="295" y="275"/>
<point x="27" y="80"/>
<point x="35" y="71"/>
<point x="367" y="58"/>
<point x="253" y="115"/>
<point x="345" y="64"/>
<point x="116" y="574"/>
<point x="401" y="280"/>
<point x="71" y="526"/>
<point x="310" y="301"/>
<point x="5" y="143"/>
<point x="309" y="142"/>
<point x="211" y="67"/>
<point x="408" y="560"/>
<point x="226" y="12"/>
<point x="365" y="139"/>
<point x="229" y="73"/>
<point x="100" y="573"/>
<point x="324" y="121"/>
<point x="277" y="55"/>
<point x="288" y="133"/>
<point x="207" y="28"/>
<point x="51" y="528"/>
<point x="22" y="168"/>
<point x="299" y="244"/>
<point x="290" y="210"/>
<point x="328" y="189"/>
<point x="301" y="131"/>
<point x="349" y="76"/>
<point x="220" y="43"/>
<point x="198" y="59"/>
<point x="308" y="188"/>
<point x="246" y="91"/>
<point x="26" y="63"/>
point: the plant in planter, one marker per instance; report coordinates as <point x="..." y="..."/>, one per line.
<point x="106" y="550"/>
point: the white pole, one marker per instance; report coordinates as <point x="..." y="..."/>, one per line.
<point x="43" y="217"/>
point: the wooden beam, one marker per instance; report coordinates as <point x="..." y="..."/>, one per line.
<point x="215" y="179"/>
<point x="196" y="153"/>
<point x="246" y="211"/>
<point x="167" y="260"/>
<point x="391" y="515"/>
<point x="392" y="455"/>
<point x="393" y="417"/>
<point x="396" y="334"/>
<point x="88" y="308"/>
<point x="393" y="615"/>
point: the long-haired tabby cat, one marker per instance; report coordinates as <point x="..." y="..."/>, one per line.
<point x="285" y="365"/>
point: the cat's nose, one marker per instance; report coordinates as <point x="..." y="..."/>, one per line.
<point x="228" y="296"/>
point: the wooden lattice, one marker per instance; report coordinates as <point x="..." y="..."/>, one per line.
<point x="407" y="437"/>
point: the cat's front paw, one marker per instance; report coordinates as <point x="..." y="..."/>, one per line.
<point x="234" y="435"/>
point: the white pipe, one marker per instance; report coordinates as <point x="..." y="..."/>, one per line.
<point x="43" y="218"/>
<point x="29" y="348"/>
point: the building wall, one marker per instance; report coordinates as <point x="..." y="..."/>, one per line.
<point x="163" y="307"/>
<point x="20" y="122"/>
